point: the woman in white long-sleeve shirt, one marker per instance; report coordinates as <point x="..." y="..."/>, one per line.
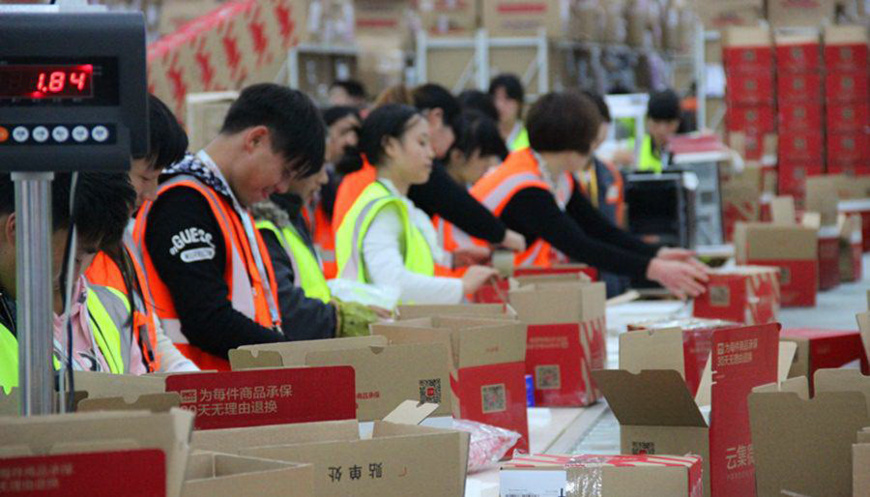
<point x="385" y="239"/>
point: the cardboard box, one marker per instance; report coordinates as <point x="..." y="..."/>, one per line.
<point x="797" y="52"/>
<point x="611" y="476"/>
<point x="829" y="258"/>
<point x="566" y="339"/>
<point x="719" y="14"/>
<point x="449" y="17"/>
<point x="175" y="15"/>
<point x="400" y="458"/>
<point x="793" y="249"/>
<point x="211" y="474"/>
<point x="847" y="87"/>
<point x="803" y="446"/>
<point x="823" y="349"/>
<point x="822" y="198"/>
<point x="382" y="18"/>
<point x="860" y="207"/>
<point x="804" y="86"/>
<point x="849" y="169"/>
<point x="755" y="119"/>
<point x="846" y="48"/>
<point x="851" y="249"/>
<point x="747" y="49"/>
<point x="740" y="203"/>
<point x="485" y="311"/>
<point x="205" y="116"/>
<point x="792" y="175"/>
<point x="750" y="88"/>
<point x="386" y="375"/>
<point x="801" y="146"/>
<point x="847" y="117"/>
<point x="487" y="366"/>
<point x="742" y="294"/>
<point x="754" y="147"/>
<point x="799" y="13"/>
<point x="657" y="414"/>
<point x="63" y="439"/>
<point x="801" y="116"/>
<point x="525" y="17"/>
<point x="849" y="147"/>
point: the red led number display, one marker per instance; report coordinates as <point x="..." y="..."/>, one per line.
<point x="44" y="82"/>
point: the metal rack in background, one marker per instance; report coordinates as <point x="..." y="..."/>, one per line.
<point x="300" y="71"/>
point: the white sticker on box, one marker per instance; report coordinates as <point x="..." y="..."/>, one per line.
<point x="531" y="483"/>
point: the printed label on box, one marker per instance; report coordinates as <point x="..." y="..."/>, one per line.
<point x="267" y="396"/>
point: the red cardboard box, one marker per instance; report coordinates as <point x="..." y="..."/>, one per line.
<point x="860" y="207"/>
<point x="755" y="119"/>
<point x="849" y="168"/>
<point x="657" y="414"/>
<point x="848" y="147"/>
<point x="846" y="48"/>
<point x="566" y="340"/>
<point x="748" y="59"/>
<point x="801" y="116"/>
<point x="792" y="176"/>
<point x="805" y="86"/>
<point x="851" y="248"/>
<point x="847" y="87"/>
<point x="829" y="258"/>
<point x="793" y="249"/>
<point x="487" y="366"/>
<point x="801" y="146"/>
<point x="742" y="294"/>
<point x="800" y="56"/>
<point x="750" y="88"/>
<point x="847" y="116"/>
<point x="823" y="349"/>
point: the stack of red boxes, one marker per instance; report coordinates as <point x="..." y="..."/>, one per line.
<point x="800" y="82"/>
<point x="847" y="97"/>
<point x="751" y="104"/>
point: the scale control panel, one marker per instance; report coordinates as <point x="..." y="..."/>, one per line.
<point x="12" y="135"/>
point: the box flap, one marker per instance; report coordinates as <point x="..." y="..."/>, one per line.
<point x="746" y="36"/>
<point x="224" y="475"/>
<point x="232" y="440"/>
<point x="786" y="38"/>
<point x="128" y="387"/>
<point x="811" y="220"/>
<point x="652" y="349"/>
<point x="559" y="303"/>
<point x="242" y="359"/>
<point x="293" y="353"/>
<point x="490" y="311"/>
<point x="783" y="211"/>
<point x="411" y="412"/>
<point x="762" y="242"/>
<point x="650" y="398"/>
<point x="798" y="385"/>
<point x="842" y="380"/>
<point x="845" y="34"/>
<point x="822" y="197"/>
<point x="156" y="402"/>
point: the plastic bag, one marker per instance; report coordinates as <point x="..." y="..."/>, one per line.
<point x="385" y="297"/>
<point x="489" y="444"/>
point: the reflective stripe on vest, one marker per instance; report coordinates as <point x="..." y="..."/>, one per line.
<point x="306" y="269"/>
<point x="8" y="360"/>
<point x="351" y="233"/>
<point x="244" y="282"/>
<point x="648" y="160"/>
<point x="108" y="315"/>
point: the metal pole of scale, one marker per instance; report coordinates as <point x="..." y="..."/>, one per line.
<point x="34" y="291"/>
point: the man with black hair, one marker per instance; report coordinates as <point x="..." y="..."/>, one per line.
<point x="211" y="276"/>
<point x="478" y="101"/>
<point x="662" y="123"/>
<point x="101" y="209"/>
<point x="509" y="96"/>
<point x="347" y="92"/>
<point x="122" y="269"/>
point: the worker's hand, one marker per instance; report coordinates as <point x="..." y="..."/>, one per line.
<point x="380" y="312"/>
<point x="476" y="277"/>
<point x="469" y="256"/>
<point x="682" y="255"/>
<point x="514" y="241"/>
<point x="682" y="279"/>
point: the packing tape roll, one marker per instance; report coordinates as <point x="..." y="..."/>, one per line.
<point x="503" y="261"/>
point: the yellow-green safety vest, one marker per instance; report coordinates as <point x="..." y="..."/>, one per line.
<point x="648" y="161"/>
<point x="306" y="265"/>
<point x="107" y="323"/>
<point x="350" y="235"/>
<point x="521" y="141"/>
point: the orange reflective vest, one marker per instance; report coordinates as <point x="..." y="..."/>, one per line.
<point x="605" y="193"/>
<point x="247" y="286"/>
<point x="453" y="239"/>
<point x="104" y="271"/>
<point x="349" y="190"/>
<point x="495" y="190"/>
<point x="323" y="237"/>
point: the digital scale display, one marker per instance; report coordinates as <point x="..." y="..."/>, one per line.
<point x="38" y="81"/>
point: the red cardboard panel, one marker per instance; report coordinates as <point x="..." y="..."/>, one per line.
<point x="750" y="88"/>
<point x="846" y="58"/>
<point x="743" y="358"/>
<point x="267" y="396"/>
<point x="847" y="87"/>
<point x="829" y="262"/>
<point x="740" y="298"/>
<point x="591" y="272"/>
<point x="849" y="147"/>
<point x="800" y="86"/>
<point x="802" y="146"/>
<point x="801" y="117"/>
<point x="802" y="57"/>
<point x="847" y="116"/>
<point x="849" y="168"/>
<point x="755" y="119"/>
<point x="131" y="473"/>
<point x="798" y="281"/>
<point x="748" y="59"/>
<point x="792" y="176"/>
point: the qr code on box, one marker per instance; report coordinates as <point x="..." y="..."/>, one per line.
<point x="720" y="296"/>
<point x="548" y="377"/>
<point x="494" y="398"/>
<point x="643" y="448"/>
<point x="430" y="391"/>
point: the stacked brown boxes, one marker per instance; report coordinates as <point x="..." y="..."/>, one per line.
<point x="799" y="93"/>
<point x="847" y="98"/>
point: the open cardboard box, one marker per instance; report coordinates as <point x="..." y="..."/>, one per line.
<point x="486" y="362"/>
<point x="211" y="474"/>
<point x="400" y="458"/>
<point x="385" y="374"/>
<point x="566" y="339"/>
<point x="485" y="311"/>
<point x="658" y="415"/>
<point x="823" y="349"/>
<point x="497" y="292"/>
<point x="611" y="476"/>
<point x="803" y="445"/>
<point x="741" y="294"/>
<point x="87" y="443"/>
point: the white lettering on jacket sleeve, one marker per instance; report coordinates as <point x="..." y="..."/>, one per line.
<point x="193" y="245"/>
